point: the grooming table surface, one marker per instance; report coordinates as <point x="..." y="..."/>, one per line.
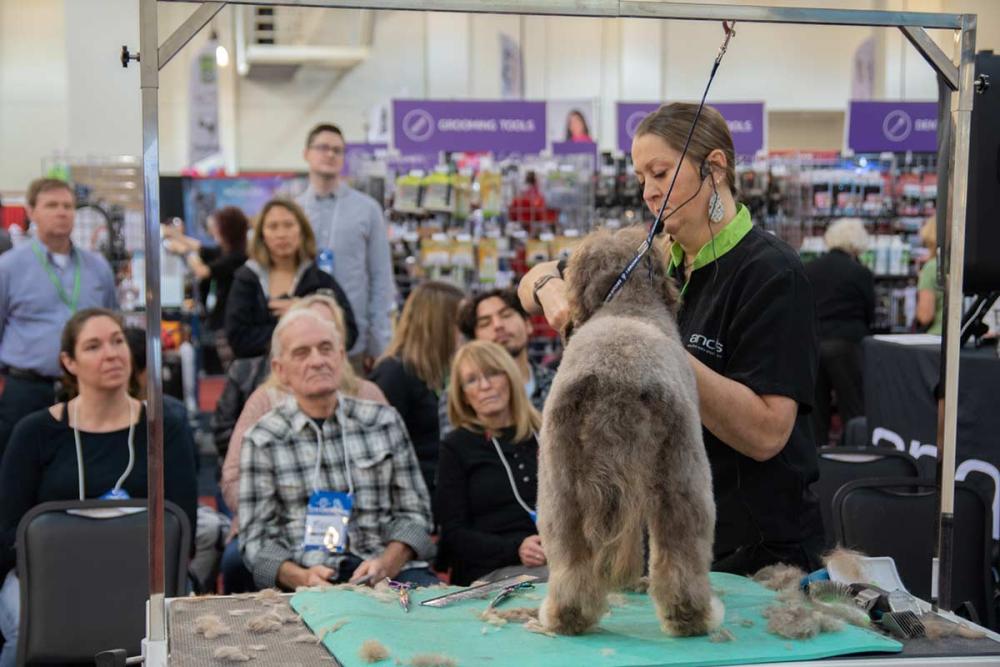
<point x="188" y="649"/>
<point x="629" y="635"/>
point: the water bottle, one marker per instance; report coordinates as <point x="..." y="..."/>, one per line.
<point x="325" y="260"/>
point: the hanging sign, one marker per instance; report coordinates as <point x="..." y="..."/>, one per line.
<point x="203" y="113"/>
<point x="897" y="127"/>
<point x="745" y="120"/>
<point x="426" y="126"/>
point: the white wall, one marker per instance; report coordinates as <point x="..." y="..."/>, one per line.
<point x="32" y="88"/>
<point x="103" y="107"/>
<point x="61" y="89"/>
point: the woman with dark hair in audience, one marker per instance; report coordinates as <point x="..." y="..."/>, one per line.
<point x="281" y="269"/>
<point x="413" y="371"/>
<point x="93" y="446"/>
<point x="488" y="470"/>
<point x="215" y="266"/>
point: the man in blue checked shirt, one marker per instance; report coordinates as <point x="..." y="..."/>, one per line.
<point x="330" y="488"/>
<point x="43" y="281"/>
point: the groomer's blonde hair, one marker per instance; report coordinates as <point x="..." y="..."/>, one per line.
<point x="672" y="123"/>
<point x="489" y="357"/>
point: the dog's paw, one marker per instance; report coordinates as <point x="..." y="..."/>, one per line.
<point x="695" y="624"/>
<point x="564" y="620"/>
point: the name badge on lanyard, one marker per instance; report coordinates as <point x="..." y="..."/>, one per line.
<point x="327" y="517"/>
<point x="116" y="492"/>
<point x="328" y="513"/>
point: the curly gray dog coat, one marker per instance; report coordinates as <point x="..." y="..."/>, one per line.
<point x="621" y="449"/>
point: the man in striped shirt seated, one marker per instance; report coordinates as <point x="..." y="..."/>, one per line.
<point x="330" y="488"/>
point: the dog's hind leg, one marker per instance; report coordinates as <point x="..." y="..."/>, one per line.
<point x="680" y="559"/>
<point x="577" y="595"/>
<point x="576" y="598"/>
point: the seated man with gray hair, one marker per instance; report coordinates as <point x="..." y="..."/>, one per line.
<point x="330" y="488"/>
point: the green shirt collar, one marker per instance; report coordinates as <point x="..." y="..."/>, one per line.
<point x="724" y="241"/>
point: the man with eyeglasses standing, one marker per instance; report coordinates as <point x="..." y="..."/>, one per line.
<point x="351" y="234"/>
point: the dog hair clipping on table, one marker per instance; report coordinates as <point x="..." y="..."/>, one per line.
<point x="210" y="626"/>
<point x="373" y="650"/>
<point x="796" y="620"/>
<point x="779" y="577"/>
<point x="846" y="562"/>
<point x="230" y="654"/>
<point x="269" y="622"/>
<point x="721" y="636"/>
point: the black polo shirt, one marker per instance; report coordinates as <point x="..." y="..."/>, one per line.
<point x="747" y="313"/>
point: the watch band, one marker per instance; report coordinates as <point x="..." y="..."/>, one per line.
<point x="539" y="284"/>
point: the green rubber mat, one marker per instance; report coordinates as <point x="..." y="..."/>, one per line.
<point x="629" y="635"/>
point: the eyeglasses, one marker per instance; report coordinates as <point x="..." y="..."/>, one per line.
<point x="474" y="381"/>
<point x="327" y="148"/>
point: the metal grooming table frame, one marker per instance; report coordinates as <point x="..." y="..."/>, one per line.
<point x="956" y="88"/>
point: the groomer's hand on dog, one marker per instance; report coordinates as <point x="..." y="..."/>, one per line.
<point x="531" y="552"/>
<point x="552" y="296"/>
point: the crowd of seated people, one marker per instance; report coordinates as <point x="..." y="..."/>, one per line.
<point x="434" y="422"/>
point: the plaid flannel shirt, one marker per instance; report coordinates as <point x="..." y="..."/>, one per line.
<point x="277" y="469"/>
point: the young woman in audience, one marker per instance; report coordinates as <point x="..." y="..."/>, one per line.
<point x="414" y="368"/>
<point x="92" y="446"/>
<point x="281" y="269"/>
<point x="235" y="577"/>
<point x="488" y="467"/>
<point x="214" y="266"/>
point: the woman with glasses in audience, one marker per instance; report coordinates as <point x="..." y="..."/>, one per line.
<point x="488" y="467"/>
<point x="92" y="446"/>
<point x="235" y="577"/>
<point x="413" y="372"/>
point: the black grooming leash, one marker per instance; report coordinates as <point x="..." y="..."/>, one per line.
<point x="657" y="225"/>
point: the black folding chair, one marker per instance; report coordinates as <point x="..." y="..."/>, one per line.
<point x="84" y="580"/>
<point x="855" y="433"/>
<point x="897" y="517"/>
<point x="840" y="465"/>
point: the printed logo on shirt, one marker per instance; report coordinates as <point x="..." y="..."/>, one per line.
<point x="712" y="346"/>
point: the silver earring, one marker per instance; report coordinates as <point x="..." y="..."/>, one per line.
<point x="716" y="211"/>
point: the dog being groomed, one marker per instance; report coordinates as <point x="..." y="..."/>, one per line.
<point x="621" y="450"/>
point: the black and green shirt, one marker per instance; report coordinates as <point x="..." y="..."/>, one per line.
<point x="747" y="313"/>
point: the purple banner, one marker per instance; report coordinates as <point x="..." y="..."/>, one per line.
<point x="575" y="148"/>
<point x="893" y="126"/>
<point x="402" y="164"/>
<point x="355" y="153"/>
<point x="745" y="120"/>
<point x="426" y="126"/>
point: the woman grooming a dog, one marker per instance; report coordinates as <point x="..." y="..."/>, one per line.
<point x="747" y="320"/>
<point x="488" y="465"/>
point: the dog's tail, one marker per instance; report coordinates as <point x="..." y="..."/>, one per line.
<point x="617" y="515"/>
